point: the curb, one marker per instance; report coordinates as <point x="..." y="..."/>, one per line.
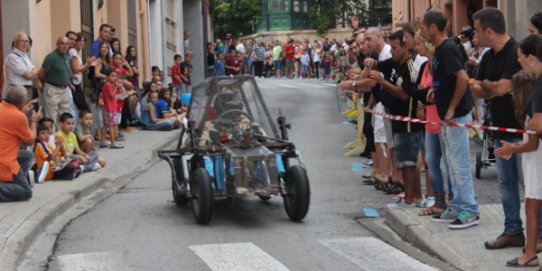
<point x="16" y="245"/>
<point x="414" y="232"/>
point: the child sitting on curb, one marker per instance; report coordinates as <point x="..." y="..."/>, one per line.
<point x="70" y="145"/>
<point x="84" y="134"/>
<point x="49" y="158"/>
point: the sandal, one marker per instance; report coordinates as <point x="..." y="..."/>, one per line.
<point x="379" y="185"/>
<point x="393" y="188"/>
<point x="433" y="210"/>
<point x="528" y="263"/>
<point x="399" y="196"/>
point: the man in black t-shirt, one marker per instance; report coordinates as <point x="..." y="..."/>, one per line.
<point x="493" y="83"/>
<point x="397" y="85"/>
<point x="454" y="103"/>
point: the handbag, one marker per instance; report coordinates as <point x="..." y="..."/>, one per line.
<point x="79" y="98"/>
<point x="431" y="115"/>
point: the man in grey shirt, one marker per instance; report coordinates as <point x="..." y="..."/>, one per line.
<point x="19" y="70"/>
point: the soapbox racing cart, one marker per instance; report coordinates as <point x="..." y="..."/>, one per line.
<point x="230" y="148"/>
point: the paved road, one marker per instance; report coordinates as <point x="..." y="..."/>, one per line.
<point x="139" y="228"/>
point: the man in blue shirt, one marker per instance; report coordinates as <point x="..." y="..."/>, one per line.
<point x="104" y="35"/>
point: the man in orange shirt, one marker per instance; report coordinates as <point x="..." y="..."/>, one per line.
<point x="14" y="130"/>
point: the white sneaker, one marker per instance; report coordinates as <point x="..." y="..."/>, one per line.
<point x="428" y="202"/>
<point x="43" y="172"/>
<point x="82" y="168"/>
<point x="401" y="204"/>
<point x="96" y="167"/>
<point x="31" y="177"/>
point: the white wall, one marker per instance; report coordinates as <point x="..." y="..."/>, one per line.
<point x="15" y="18"/>
<point x="155" y="29"/>
<point x="193" y="23"/>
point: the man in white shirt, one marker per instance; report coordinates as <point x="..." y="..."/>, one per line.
<point x="19" y="70"/>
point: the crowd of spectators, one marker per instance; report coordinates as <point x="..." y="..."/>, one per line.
<point x="323" y="59"/>
<point x="52" y="126"/>
<point x="482" y="75"/>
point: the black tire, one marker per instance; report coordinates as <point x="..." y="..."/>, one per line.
<point x="265" y="198"/>
<point x="179" y="196"/>
<point x="202" y="196"/>
<point x="297" y="198"/>
<point x="478" y="170"/>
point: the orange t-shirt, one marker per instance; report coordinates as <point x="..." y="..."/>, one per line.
<point x="13" y="131"/>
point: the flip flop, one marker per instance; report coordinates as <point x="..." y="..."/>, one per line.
<point x="430" y="211"/>
<point x="515" y="263"/>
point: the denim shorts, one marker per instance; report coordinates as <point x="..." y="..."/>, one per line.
<point x="407" y="148"/>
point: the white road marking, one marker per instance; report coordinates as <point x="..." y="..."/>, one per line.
<point x="372" y="254"/>
<point x="96" y="261"/>
<point x="237" y="256"/>
<point x="331" y="85"/>
<point x="285" y="85"/>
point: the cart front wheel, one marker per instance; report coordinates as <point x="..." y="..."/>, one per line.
<point x="265" y="198"/>
<point x="297" y="198"/>
<point x="479" y="164"/>
<point x="202" y="196"/>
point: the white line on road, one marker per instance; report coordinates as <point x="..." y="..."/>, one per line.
<point x="95" y="261"/>
<point x="237" y="256"/>
<point x="372" y="254"/>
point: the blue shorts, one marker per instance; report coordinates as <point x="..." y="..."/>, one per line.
<point x="327" y="71"/>
<point x="407" y="148"/>
<point x="305" y="68"/>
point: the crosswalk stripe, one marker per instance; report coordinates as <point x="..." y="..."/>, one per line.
<point x="237" y="256"/>
<point x="103" y="261"/>
<point x="370" y="254"/>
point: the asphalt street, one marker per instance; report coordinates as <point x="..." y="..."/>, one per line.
<point x="140" y="227"/>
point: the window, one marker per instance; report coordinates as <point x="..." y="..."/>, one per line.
<point x="278" y="6"/>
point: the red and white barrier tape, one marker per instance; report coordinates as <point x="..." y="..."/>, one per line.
<point x="482" y="127"/>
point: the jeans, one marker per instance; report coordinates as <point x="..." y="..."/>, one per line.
<point x="19" y="189"/>
<point x="457" y="152"/>
<point x="165" y="125"/>
<point x="433" y="155"/>
<point x="509" y="175"/>
<point x="92" y="160"/>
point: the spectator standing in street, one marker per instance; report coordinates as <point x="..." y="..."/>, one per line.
<point x="55" y="73"/>
<point x="397" y="95"/>
<point x="289" y="51"/>
<point x="176" y="80"/>
<point x="14" y="131"/>
<point x="210" y="59"/>
<point x="103" y="36"/>
<point x="277" y="50"/>
<point x="535" y="24"/>
<point x="530" y="104"/>
<point x="186" y="73"/>
<point x="454" y="103"/>
<point x="316" y="52"/>
<point x="18" y="68"/>
<point x="493" y="83"/>
<point x="77" y="69"/>
<point x="259" y="52"/>
<point x="232" y="64"/>
<point x="131" y="57"/>
<point x="305" y="62"/>
<point x="219" y="65"/>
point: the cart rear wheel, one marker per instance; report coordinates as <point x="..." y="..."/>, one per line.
<point x="202" y="196"/>
<point x="297" y="198"/>
<point x="479" y="164"/>
<point x="179" y="196"/>
<point x="265" y="198"/>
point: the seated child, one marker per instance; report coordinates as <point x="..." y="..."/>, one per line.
<point x="49" y="158"/>
<point x="84" y="134"/>
<point x="48" y="122"/>
<point x="70" y="145"/>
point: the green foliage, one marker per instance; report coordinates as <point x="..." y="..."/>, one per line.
<point x="325" y="13"/>
<point x="235" y="16"/>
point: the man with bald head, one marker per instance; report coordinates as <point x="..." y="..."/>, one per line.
<point x="14" y="130"/>
<point x="55" y="74"/>
<point x="19" y="69"/>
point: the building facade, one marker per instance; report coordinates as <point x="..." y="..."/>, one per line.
<point x="154" y="27"/>
<point x="459" y="12"/>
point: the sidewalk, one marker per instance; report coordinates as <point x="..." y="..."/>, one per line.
<point x="21" y="222"/>
<point x="464" y="249"/>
